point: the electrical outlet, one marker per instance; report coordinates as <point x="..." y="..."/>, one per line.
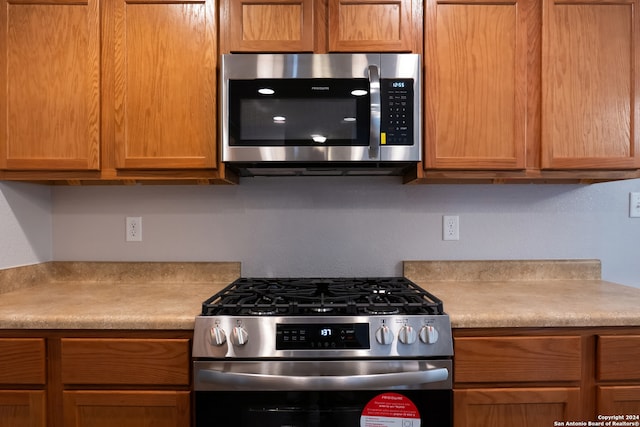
<point x="634" y="205"/>
<point x="134" y="229"/>
<point x="450" y="227"/>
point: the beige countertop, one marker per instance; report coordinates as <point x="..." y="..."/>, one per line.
<point x="168" y="296"/>
<point x="163" y="296"/>
<point x="488" y="294"/>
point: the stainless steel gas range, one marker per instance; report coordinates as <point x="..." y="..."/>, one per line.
<point x="323" y="352"/>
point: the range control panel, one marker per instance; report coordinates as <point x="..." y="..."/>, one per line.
<point x="323" y="336"/>
<point x="328" y="336"/>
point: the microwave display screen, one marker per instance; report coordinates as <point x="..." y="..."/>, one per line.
<point x="299" y="112"/>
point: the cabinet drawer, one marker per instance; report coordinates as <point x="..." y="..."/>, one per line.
<point x="125" y="361"/>
<point x="22" y="361"/>
<point x="517" y="359"/>
<point x="618" y="358"/>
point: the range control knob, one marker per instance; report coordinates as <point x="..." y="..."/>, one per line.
<point x="428" y="334"/>
<point x="217" y="336"/>
<point x="239" y="336"/>
<point x="407" y="335"/>
<point x="384" y="335"/>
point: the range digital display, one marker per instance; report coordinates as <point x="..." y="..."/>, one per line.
<point x="324" y="336"/>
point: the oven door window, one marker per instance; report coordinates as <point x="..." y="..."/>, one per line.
<point x="312" y="408"/>
<point x="299" y="112"/>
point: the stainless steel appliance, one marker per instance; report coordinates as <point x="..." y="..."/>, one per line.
<point x="323" y="352"/>
<point x="316" y="113"/>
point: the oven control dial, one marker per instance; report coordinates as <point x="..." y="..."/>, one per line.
<point x="407" y="335"/>
<point x="217" y="336"/>
<point x="428" y="334"/>
<point x="384" y="335"/>
<point x="239" y="336"/>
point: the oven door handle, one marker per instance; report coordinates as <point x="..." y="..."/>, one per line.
<point x="374" y="125"/>
<point x="256" y="381"/>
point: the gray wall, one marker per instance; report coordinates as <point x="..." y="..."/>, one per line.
<point x="345" y="227"/>
<point x="25" y="224"/>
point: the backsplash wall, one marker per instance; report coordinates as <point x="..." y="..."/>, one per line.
<point x="326" y="226"/>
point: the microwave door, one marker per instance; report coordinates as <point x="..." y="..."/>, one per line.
<point x="305" y="120"/>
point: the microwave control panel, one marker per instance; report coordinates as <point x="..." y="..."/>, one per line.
<point x="396" y="115"/>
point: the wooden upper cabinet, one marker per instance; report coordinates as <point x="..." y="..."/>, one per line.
<point x="590" y="85"/>
<point x="371" y="25"/>
<point x="476" y="68"/>
<point x="321" y="26"/>
<point x="268" y="26"/>
<point x="50" y="80"/>
<point x="164" y="84"/>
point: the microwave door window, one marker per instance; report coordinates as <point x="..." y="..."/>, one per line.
<point x="299" y="122"/>
<point x="292" y="113"/>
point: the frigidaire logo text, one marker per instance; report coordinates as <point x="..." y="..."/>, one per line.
<point x="319" y="87"/>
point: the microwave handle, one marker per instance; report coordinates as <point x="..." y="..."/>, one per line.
<point x="374" y="125"/>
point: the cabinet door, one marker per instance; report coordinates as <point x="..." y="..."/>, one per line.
<point x="22" y="408"/>
<point x="517" y="359"/>
<point x="371" y="25"/>
<point x="165" y="71"/>
<point x="526" y="407"/>
<point x="590" y="85"/>
<point x="126" y="408"/>
<point x="617" y="358"/>
<point x="476" y="83"/>
<point x="267" y="25"/>
<point x="50" y="80"/>
<point x="22" y="361"/>
<point x="621" y="400"/>
<point x="120" y="361"/>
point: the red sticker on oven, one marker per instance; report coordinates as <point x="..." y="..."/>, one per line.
<point x="390" y="410"/>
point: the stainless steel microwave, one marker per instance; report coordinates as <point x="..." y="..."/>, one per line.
<point x="320" y="113"/>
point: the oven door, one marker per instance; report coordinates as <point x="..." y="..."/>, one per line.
<point x="360" y="393"/>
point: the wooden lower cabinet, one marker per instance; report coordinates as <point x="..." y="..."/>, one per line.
<point x="618" y="375"/>
<point x="508" y="378"/>
<point x="153" y="372"/>
<point x="22" y="365"/>
<point x="527" y="407"/>
<point x="22" y="408"/>
<point x="620" y="400"/>
<point x="126" y="408"/>
<point x="95" y="378"/>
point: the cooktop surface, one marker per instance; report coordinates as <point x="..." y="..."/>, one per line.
<point x="321" y="296"/>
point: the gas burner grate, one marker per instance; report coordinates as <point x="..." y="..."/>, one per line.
<point x="319" y="296"/>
